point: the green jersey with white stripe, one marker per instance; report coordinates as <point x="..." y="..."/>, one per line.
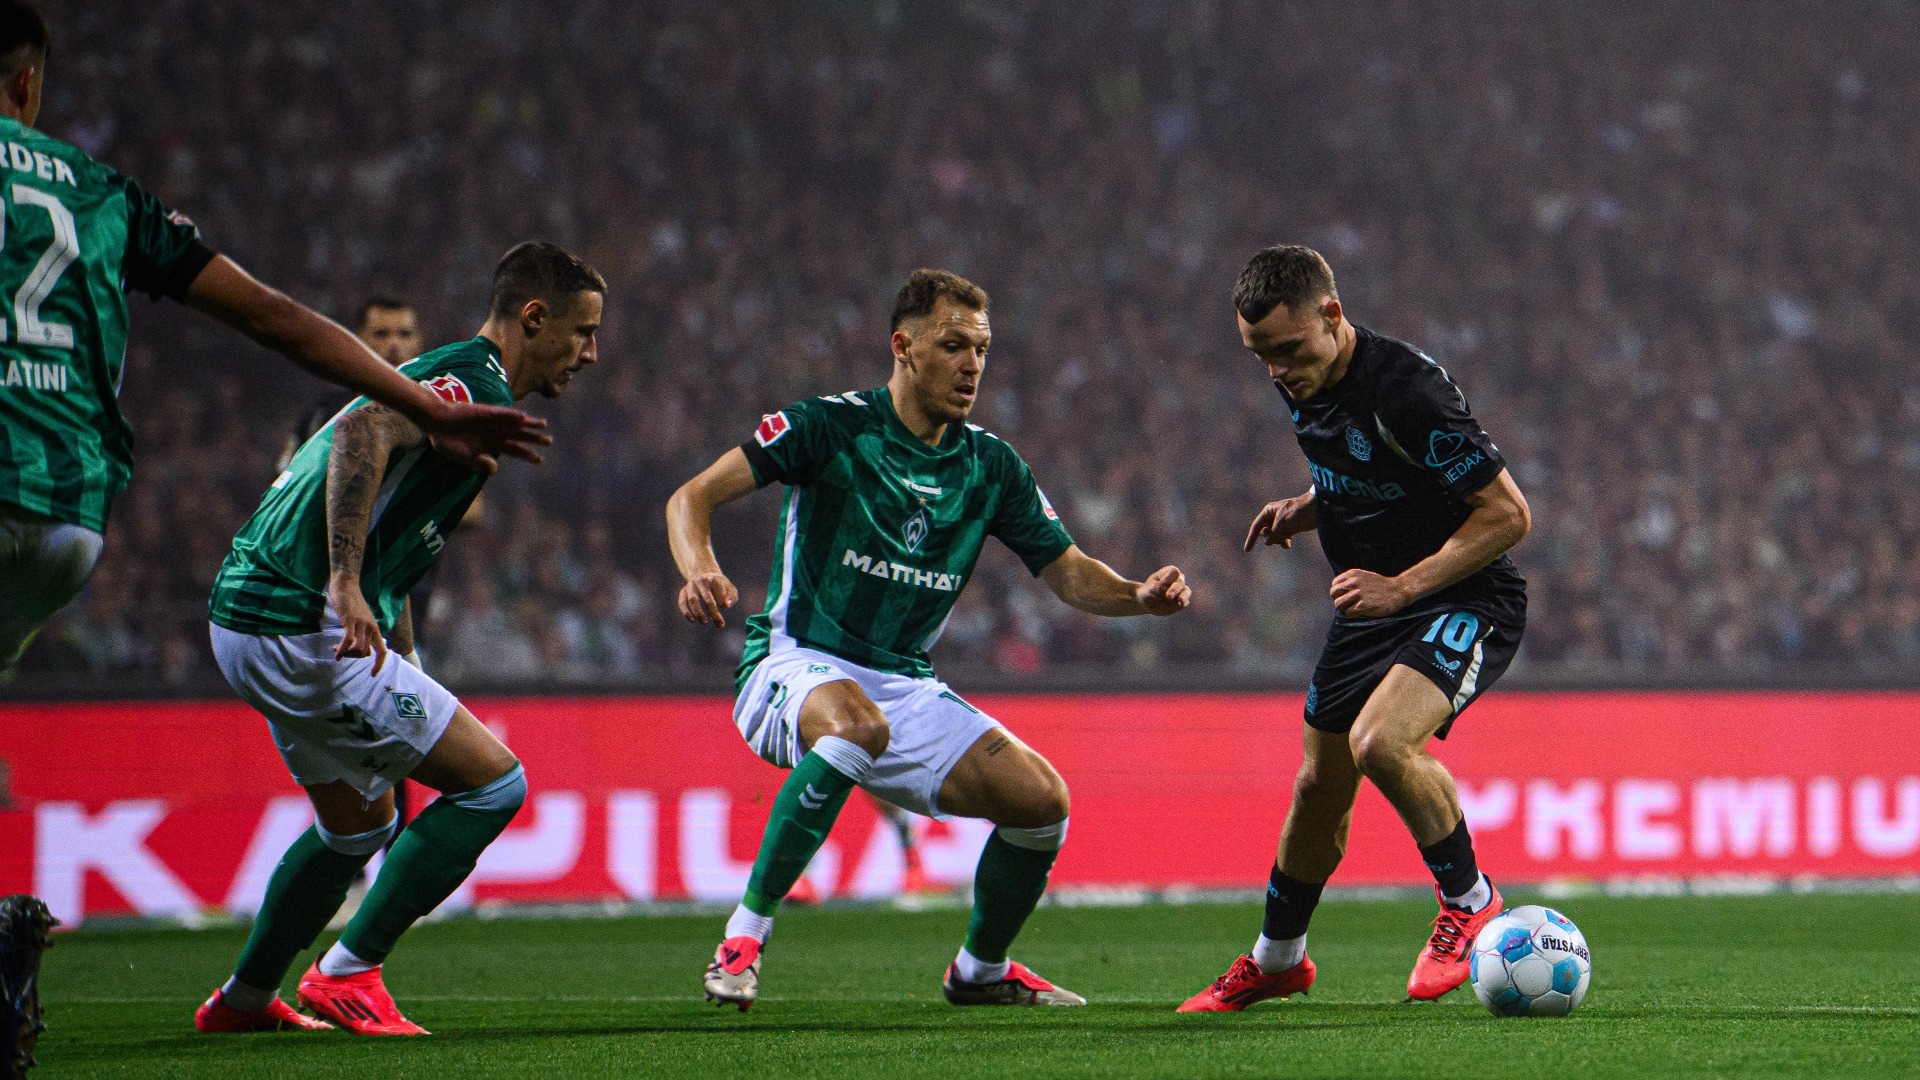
<point x="879" y="531"/>
<point x="275" y="579"/>
<point x="74" y="236"/>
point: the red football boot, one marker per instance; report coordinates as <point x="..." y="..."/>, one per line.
<point x="216" y="1017"/>
<point x="1444" y="963"/>
<point x="360" y="1003"/>
<point x="1244" y="983"/>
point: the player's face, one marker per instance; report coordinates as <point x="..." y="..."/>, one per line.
<point x="1300" y="347"/>
<point x="564" y="343"/>
<point x="394" y="333"/>
<point x="945" y="353"/>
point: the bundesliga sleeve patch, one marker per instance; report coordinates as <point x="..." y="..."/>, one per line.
<point x="1047" y="506"/>
<point x="449" y="388"/>
<point x="772" y="427"/>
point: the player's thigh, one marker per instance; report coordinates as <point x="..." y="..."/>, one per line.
<point x="1401" y="714"/>
<point x="337" y="720"/>
<point x="768" y="710"/>
<point x="842" y="709"/>
<point x="1005" y="781"/>
<point x="467" y="756"/>
<point x="1328" y="779"/>
<point x="343" y="811"/>
<point x="43" y="566"/>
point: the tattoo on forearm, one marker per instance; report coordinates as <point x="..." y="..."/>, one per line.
<point x="998" y="745"/>
<point x="362" y="441"/>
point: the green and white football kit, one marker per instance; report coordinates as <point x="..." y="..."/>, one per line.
<point x="274" y="632"/>
<point x="75" y="235"/>
<point x="878" y="534"/>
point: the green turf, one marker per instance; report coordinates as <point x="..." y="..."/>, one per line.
<point x="1820" y="985"/>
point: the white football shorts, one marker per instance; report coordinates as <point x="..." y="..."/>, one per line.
<point x="336" y="719"/>
<point x="932" y="727"/>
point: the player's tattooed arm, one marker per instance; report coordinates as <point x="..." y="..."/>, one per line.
<point x="1085" y="582"/>
<point x="707" y="594"/>
<point x="1499" y="520"/>
<point x="363" y="441"/>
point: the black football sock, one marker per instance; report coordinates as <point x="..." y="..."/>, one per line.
<point x="1290" y="904"/>
<point x="1451" y="862"/>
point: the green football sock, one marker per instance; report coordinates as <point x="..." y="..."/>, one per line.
<point x="1006" y="887"/>
<point x="803" y="814"/>
<point x="430" y="860"/>
<point x="307" y="887"/>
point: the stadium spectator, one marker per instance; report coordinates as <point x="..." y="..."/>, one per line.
<point x="1679" y="295"/>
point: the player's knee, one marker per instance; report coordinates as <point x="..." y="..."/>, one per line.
<point x="1380" y="755"/>
<point x="360" y="843"/>
<point x="1312" y="786"/>
<point x="1041" y="801"/>
<point x="502" y="796"/>
<point x="865" y="727"/>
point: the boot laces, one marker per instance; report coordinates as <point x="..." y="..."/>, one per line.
<point x="1448" y="928"/>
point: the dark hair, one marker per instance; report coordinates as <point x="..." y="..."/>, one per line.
<point x="1283" y="274"/>
<point x="381" y="303"/>
<point x="23" y="38"/>
<point x="925" y="287"/>
<point x="537" y="270"/>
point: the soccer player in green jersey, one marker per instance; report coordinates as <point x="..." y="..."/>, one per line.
<point x="890" y="495"/>
<point x="302" y="611"/>
<point x="74" y="236"/>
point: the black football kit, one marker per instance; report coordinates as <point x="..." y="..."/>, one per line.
<point x="1394" y="452"/>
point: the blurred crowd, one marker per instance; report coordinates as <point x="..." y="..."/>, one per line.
<point x="1671" y="252"/>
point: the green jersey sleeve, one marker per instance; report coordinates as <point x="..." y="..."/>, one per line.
<point x="164" y="249"/>
<point x="790" y="446"/>
<point x="1024" y="520"/>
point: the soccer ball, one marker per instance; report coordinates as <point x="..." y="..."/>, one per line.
<point x="1530" y="961"/>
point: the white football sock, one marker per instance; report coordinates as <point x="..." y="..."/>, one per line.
<point x="239" y="995"/>
<point x="1275" y="957"/>
<point x="1475" y="898"/>
<point x="745" y="923"/>
<point x="972" y="969"/>
<point x="340" y="962"/>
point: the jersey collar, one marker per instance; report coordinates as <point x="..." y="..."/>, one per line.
<point x="897" y="428"/>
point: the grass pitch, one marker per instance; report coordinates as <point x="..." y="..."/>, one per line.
<point x="1781" y="985"/>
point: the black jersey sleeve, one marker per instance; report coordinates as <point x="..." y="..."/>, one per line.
<point x="164" y="250"/>
<point x="789" y="446"/>
<point x="1425" y="416"/>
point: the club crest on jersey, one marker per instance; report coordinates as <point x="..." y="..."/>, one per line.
<point x="915" y="530"/>
<point x="449" y="388"/>
<point x="772" y="427"/>
<point x="1359" y="445"/>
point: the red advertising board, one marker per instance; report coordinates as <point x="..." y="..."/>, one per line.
<point x="169" y="808"/>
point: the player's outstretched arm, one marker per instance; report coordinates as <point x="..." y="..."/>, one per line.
<point x="1280" y="521"/>
<point x="362" y="442"/>
<point x="1092" y="586"/>
<point x="475" y="434"/>
<point x="707" y="593"/>
<point x="1499" y="520"/>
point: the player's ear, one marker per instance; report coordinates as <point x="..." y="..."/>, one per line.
<point x="1330" y="311"/>
<point x="533" y="315"/>
<point x="902" y="341"/>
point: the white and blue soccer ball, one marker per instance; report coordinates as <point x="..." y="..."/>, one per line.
<point x="1530" y="961"/>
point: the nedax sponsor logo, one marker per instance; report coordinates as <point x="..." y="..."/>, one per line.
<point x="1443" y="447"/>
<point x="1335" y="483"/>
<point x="893" y="571"/>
